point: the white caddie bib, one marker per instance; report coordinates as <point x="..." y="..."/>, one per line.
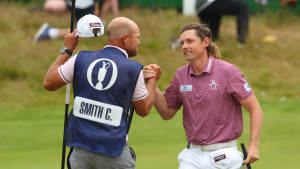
<point x="97" y="111"/>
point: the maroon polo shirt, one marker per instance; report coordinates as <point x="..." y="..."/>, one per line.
<point x="211" y="109"/>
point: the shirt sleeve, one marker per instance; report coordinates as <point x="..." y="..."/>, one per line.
<point x="66" y="71"/>
<point x="172" y="96"/>
<point x="140" y="91"/>
<point x="238" y="86"/>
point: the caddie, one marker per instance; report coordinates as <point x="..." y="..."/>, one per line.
<point x="105" y="84"/>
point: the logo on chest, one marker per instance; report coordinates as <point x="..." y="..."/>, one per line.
<point x="186" y="88"/>
<point x="213" y="85"/>
<point x="102" y="74"/>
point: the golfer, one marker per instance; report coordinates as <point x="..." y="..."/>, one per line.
<point x="97" y="125"/>
<point x="211" y="92"/>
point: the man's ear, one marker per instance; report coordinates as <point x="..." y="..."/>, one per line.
<point x="206" y="41"/>
<point x="125" y="38"/>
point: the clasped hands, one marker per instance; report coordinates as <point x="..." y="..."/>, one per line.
<point x="152" y="71"/>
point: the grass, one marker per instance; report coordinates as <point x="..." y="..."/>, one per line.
<point x="268" y="67"/>
<point x="31" y="137"/>
<point x="31" y="118"/>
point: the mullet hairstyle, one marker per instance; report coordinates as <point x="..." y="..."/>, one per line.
<point x="202" y="31"/>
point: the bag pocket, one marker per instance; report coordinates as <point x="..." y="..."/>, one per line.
<point x="133" y="155"/>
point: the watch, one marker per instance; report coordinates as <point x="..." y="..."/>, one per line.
<point x="65" y="50"/>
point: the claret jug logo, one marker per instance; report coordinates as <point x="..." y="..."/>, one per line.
<point x="102" y="74"/>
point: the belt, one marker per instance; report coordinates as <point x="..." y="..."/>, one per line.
<point x="214" y="146"/>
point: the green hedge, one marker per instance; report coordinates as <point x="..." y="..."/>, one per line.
<point x="153" y="3"/>
<point x="273" y="5"/>
<point x="25" y="1"/>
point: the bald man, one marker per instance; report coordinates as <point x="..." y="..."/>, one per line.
<point x="105" y="84"/>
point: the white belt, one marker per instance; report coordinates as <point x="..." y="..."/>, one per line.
<point x="214" y="146"/>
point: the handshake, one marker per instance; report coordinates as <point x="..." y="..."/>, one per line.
<point x="152" y="71"/>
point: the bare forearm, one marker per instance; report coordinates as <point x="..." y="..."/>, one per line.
<point x="151" y="72"/>
<point x="256" y="115"/>
<point x="60" y="60"/>
<point x="255" y="126"/>
<point x="151" y="93"/>
<point x="51" y="81"/>
<point x="143" y="107"/>
<point x="161" y="106"/>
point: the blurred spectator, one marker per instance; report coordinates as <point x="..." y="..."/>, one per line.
<point x="261" y="2"/>
<point x="107" y="4"/>
<point x="82" y="8"/>
<point x="211" y="11"/>
<point x="55" y="6"/>
<point x="288" y="2"/>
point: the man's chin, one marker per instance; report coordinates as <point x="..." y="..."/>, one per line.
<point x="132" y="54"/>
<point x="188" y="59"/>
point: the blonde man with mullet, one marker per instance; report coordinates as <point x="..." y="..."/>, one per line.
<point x="212" y="93"/>
<point x="105" y="84"/>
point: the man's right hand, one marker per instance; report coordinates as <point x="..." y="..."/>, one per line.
<point x="157" y="70"/>
<point x="152" y="71"/>
<point x="71" y="41"/>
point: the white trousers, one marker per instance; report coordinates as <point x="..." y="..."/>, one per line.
<point x="197" y="158"/>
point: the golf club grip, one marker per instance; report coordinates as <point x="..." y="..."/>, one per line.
<point x="245" y="155"/>
<point x="72" y="16"/>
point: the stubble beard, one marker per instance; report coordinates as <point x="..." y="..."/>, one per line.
<point x="132" y="53"/>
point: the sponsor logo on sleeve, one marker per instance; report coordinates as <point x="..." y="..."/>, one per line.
<point x="247" y="87"/>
